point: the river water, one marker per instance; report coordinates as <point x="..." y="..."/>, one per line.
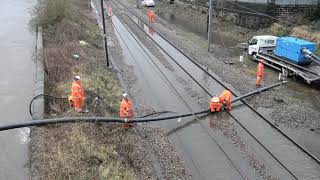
<point x="17" y="72"/>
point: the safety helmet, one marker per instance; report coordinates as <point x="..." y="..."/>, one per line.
<point x="125" y="95"/>
<point x="77" y="77"/>
<point x="215" y="99"/>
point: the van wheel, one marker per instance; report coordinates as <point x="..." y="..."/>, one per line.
<point x="253" y="56"/>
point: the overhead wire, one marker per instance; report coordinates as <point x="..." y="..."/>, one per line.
<point x="187" y="105"/>
<point x="167" y="81"/>
<point x="238" y="98"/>
<point x="267" y="15"/>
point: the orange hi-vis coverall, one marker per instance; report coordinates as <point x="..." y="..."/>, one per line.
<point x="148" y="15"/>
<point x="77" y="94"/>
<point x="152" y="16"/>
<point x="215" y="104"/>
<point x="225" y="98"/>
<point x="260" y="73"/>
<point x="125" y="110"/>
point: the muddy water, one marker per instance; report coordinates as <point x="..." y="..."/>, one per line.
<point x="17" y="83"/>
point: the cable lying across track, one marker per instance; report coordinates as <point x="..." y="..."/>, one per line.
<point x="176" y="92"/>
<point x="237" y="99"/>
<point x="44" y="122"/>
<point x="221" y="83"/>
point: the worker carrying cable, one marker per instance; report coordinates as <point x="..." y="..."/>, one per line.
<point x="225" y="99"/>
<point x="260" y="73"/>
<point x="125" y="110"/>
<point x="215" y="104"/>
<point x="77" y="95"/>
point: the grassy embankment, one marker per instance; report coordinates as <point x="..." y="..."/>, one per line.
<point x="78" y="151"/>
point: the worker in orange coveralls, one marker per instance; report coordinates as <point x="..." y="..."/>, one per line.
<point x="77" y="94"/>
<point x="152" y="16"/>
<point x="225" y="99"/>
<point x="110" y="13"/>
<point x="125" y="110"/>
<point x="148" y="15"/>
<point x="215" y="104"/>
<point x="260" y="73"/>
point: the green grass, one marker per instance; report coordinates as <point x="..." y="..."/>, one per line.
<point x="78" y="156"/>
<point x="103" y="83"/>
<point x="70" y="153"/>
<point x="318" y="51"/>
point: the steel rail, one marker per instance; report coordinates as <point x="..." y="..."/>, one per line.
<point x="191" y="159"/>
<point x="224" y="85"/>
<point x="184" y="102"/>
<point x="228" y="112"/>
<point x="211" y="96"/>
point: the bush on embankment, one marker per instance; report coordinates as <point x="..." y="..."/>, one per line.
<point x="75" y="151"/>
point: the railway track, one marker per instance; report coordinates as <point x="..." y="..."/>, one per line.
<point x="125" y="9"/>
<point x="189" y="108"/>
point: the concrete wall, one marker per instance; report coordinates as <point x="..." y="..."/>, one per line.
<point x="253" y="1"/>
<point x="297" y="2"/>
<point x="38" y="104"/>
<point x="282" y="2"/>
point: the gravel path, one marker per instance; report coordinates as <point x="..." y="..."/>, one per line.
<point x="226" y="126"/>
<point x="171" y="165"/>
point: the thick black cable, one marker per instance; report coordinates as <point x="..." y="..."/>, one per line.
<point x="237" y="99"/>
<point x="166" y="79"/>
<point x="183" y="101"/>
<point x="40" y="95"/>
<point x="44" y="122"/>
<point x="225" y="86"/>
<point x="157" y="113"/>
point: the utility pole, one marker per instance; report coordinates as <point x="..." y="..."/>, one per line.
<point x="104" y="33"/>
<point x="209" y="25"/>
<point x="139" y="3"/>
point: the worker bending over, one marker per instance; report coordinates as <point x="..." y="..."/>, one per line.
<point x="125" y="110"/>
<point x="215" y="104"/>
<point x="77" y="94"/>
<point x="225" y="99"/>
<point x="260" y="73"/>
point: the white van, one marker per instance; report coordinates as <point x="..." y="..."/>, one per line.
<point x="264" y="43"/>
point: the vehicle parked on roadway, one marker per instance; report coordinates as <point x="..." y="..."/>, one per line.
<point x="148" y="3"/>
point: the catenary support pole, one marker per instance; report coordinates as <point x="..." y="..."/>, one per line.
<point x="209" y="25"/>
<point x="139" y="3"/>
<point x="104" y="33"/>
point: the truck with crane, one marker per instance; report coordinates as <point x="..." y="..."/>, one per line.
<point x="292" y="56"/>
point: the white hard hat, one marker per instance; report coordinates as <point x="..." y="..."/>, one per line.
<point x="125" y="95"/>
<point x="77" y="77"/>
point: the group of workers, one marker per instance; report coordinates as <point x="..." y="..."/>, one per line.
<point x="217" y="103"/>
